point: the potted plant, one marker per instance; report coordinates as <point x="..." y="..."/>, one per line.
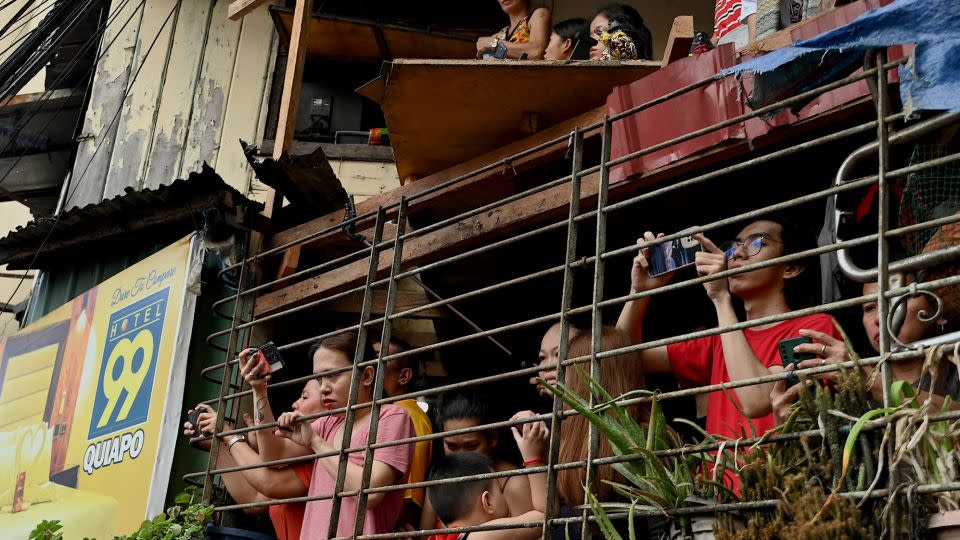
<point x="654" y="483"/>
<point x="926" y="452"/>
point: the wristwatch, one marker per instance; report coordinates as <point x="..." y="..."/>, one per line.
<point x="234" y="440"/>
<point x="494" y="43"/>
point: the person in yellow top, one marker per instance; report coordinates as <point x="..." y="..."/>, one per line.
<point x="526" y="36"/>
<point x="396" y="382"/>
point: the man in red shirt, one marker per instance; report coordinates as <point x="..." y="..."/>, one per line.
<point x="738" y="354"/>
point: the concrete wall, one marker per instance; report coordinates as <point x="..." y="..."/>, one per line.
<point x="203" y="84"/>
<point x="12" y="214"/>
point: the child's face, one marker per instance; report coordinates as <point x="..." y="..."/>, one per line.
<point x="310" y="399"/>
<point x="477" y="441"/>
<point x="334" y="387"/>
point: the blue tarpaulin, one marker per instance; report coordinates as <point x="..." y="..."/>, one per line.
<point x="930" y="82"/>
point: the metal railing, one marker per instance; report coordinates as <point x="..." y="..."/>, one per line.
<point x="591" y="184"/>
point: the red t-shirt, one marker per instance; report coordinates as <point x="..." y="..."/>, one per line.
<point x="287" y="519"/>
<point x="701" y="361"/>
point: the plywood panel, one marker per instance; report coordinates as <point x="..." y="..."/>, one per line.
<point x="173" y="114"/>
<point x="135" y="126"/>
<point x="248" y="99"/>
<point x="95" y="145"/>
<point x="213" y="87"/>
<point x="357" y="41"/>
<point x="441" y="113"/>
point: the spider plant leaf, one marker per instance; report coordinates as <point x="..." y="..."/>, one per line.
<point x="854" y="435"/>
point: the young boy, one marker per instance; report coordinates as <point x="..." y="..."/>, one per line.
<point x="481" y="502"/>
<point x="390" y="466"/>
<point x="397" y="378"/>
<point x="739" y="354"/>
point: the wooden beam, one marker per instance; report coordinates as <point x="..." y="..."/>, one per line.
<point x="239" y="8"/>
<point x="405" y="300"/>
<point x="290" y="99"/>
<point x="679" y="41"/>
<point x="456" y="237"/>
<point x="472" y="188"/>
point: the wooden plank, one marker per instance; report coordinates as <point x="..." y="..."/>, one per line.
<point x="472" y="188"/>
<point x="137" y="123"/>
<point x="405" y="300"/>
<point x="239" y="8"/>
<point x="457" y="237"/>
<point x="679" y="40"/>
<point x="209" y="98"/>
<point x="356" y="40"/>
<point x="95" y="142"/>
<point x="290" y="99"/>
<point x="249" y="97"/>
<point x="176" y="109"/>
<point x="475" y="106"/>
<point x="290" y="262"/>
<point x="346" y="152"/>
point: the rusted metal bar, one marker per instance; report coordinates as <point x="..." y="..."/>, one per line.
<point x="357" y="374"/>
<point x="566" y="299"/>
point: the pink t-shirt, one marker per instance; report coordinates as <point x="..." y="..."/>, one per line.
<point x="394" y="424"/>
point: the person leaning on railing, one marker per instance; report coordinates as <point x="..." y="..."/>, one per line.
<point x="832" y="350"/>
<point x="398" y="376"/>
<point x="564" y="38"/>
<point x="262" y="483"/>
<point x="527" y="34"/>
<point x="480" y="501"/>
<point x="738" y="354"/>
<point x="470" y="408"/>
<point x="324" y="435"/>
<point x="632" y="41"/>
<point x="550" y="355"/>
<point x="619" y="374"/>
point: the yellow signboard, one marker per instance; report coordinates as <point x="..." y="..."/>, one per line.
<point x="90" y="399"/>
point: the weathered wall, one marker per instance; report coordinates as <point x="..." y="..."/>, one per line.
<point x="203" y="86"/>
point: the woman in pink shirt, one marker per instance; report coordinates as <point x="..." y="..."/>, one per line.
<point x="323" y="435"/>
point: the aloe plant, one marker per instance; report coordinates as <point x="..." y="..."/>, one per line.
<point x="652" y="481"/>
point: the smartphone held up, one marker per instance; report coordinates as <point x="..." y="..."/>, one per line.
<point x="671" y="255"/>
<point x="270" y="357"/>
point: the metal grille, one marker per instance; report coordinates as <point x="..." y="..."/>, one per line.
<point x="577" y="226"/>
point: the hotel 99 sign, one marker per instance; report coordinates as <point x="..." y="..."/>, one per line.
<point x="90" y="399"/>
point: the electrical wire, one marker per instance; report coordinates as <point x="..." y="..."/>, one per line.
<point x="40" y="104"/>
<point x="106" y="129"/>
<point x="40" y="46"/>
<point x="30" y="15"/>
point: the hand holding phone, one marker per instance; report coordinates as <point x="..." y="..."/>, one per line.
<point x="269" y="356"/>
<point x="673" y="254"/>
<point x="788" y="356"/>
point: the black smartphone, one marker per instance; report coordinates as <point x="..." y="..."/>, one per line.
<point x="194" y="419"/>
<point x="581" y="49"/>
<point x="789" y="356"/>
<point x="272" y="356"/>
<point x="669" y="256"/>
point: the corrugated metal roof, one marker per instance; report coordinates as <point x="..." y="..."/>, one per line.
<point x="141" y="215"/>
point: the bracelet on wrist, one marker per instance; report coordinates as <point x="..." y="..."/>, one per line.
<point x="535" y="461"/>
<point x="234" y="440"/>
